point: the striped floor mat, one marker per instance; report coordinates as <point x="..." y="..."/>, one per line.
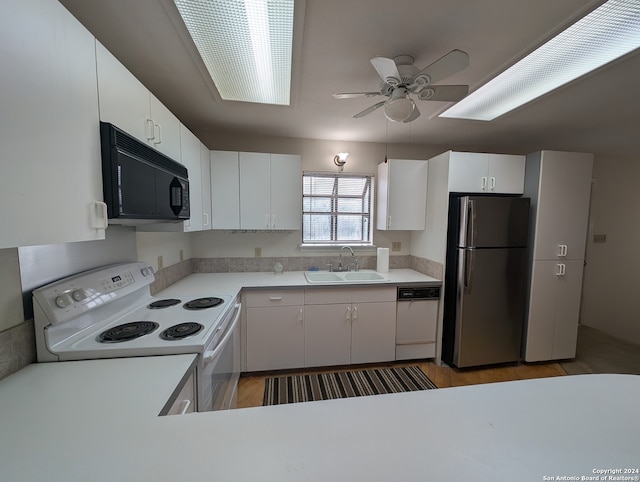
<point x="327" y="386"/>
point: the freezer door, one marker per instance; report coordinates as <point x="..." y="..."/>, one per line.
<point x="493" y="221"/>
<point x="490" y="306"/>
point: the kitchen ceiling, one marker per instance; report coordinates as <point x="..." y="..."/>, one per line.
<point x="333" y="42"/>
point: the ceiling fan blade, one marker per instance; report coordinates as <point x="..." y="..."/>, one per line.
<point x="387" y="70"/>
<point x="415" y="113"/>
<point x="369" y="110"/>
<point x="353" y="95"/>
<point x="442" y="68"/>
<point x="446" y="93"/>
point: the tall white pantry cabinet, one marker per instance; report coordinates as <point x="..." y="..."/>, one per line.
<point x="559" y="185"/>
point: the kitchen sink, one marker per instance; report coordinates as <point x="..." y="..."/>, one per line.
<point x="363" y="276"/>
<point x="343" y="277"/>
<point x="319" y="277"/>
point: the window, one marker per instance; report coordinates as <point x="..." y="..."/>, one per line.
<point x="336" y="208"/>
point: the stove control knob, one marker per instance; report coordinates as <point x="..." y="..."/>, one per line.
<point x="63" y="301"/>
<point x="79" y="294"/>
<point x="147" y="271"/>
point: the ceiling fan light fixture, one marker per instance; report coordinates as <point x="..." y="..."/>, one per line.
<point x="400" y="107"/>
<point x="607" y="33"/>
<point x="246" y="46"/>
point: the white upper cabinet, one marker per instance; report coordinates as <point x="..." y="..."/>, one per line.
<point x="51" y="182"/>
<point x="126" y="103"/>
<point x="401" y="195"/>
<point x="563" y="191"/>
<point x="190" y="155"/>
<point x="286" y="192"/>
<point x="205" y="185"/>
<point x="486" y="173"/>
<point x="225" y="190"/>
<point x="254" y="190"/>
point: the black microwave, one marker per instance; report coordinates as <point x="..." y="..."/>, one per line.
<point x="140" y="184"/>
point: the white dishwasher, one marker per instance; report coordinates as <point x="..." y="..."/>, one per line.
<point x="417" y="322"/>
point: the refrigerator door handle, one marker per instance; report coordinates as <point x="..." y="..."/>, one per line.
<point x="467" y="227"/>
<point x="468" y="270"/>
<point x="471" y="226"/>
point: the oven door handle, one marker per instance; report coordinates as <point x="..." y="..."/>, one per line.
<point x="210" y="355"/>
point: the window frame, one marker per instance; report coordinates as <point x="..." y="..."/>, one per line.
<point x="334" y="213"/>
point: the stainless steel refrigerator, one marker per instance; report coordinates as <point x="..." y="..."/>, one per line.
<point x="485" y="279"/>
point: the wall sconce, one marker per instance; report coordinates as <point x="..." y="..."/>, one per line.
<point x="340" y="159"/>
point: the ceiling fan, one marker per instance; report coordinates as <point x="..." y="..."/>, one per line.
<point x="400" y="78"/>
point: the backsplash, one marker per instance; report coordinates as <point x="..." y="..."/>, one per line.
<point x="172" y="274"/>
<point x="17" y="348"/>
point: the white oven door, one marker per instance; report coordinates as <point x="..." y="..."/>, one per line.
<point x="219" y="367"/>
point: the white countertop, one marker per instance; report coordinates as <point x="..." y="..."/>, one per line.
<point x="97" y="421"/>
<point x="232" y="283"/>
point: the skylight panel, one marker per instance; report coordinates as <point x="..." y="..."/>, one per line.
<point x="609" y="32"/>
<point x="246" y="46"/>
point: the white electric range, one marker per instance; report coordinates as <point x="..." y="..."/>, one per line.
<point x="109" y="312"/>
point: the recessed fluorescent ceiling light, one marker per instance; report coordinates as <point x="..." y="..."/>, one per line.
<point x="609" y="32"/>
<point x="245" y="44"/>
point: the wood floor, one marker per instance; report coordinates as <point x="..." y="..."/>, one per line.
<point x="251" y="386"/>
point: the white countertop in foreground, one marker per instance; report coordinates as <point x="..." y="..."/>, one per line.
<point x="206" y="284"/>
<point x="97" y="421"/>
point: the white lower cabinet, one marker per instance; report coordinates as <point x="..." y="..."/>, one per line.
<point x="327" y="338"/>
<point x="274" y="329"/>
<point x="185" y="401"/>
<point x="348" y="326"/>
<point x="552" y="332"/>
<point x="299" y="328"/>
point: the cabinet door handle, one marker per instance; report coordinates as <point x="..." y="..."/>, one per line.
<point x="564" y="250"/>
<point x="158" y="138"/>
<point x="493" y="183"/>
<point x="273" y="221"/>
<point x="205" y="219"/>
<point x="300" y="315"/>
<point x="184" y="404"/>
<point x="389" y="222"/>
<point x="348" y="314"/>
<point x="266" y="221"/>
<point x="151" y="129"/>
<point x="484" y="183"/>
<point x="275" y="298"/>
<point x="562" y="269"/>
<point x="354" y="315"/>
<point x="99" y="215"/>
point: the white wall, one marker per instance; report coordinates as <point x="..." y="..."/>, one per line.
<point x="611" y="294"/>
<point x="171" y="247"/>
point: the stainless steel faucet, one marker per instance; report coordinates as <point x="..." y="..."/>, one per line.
<point x="356" y="262"/>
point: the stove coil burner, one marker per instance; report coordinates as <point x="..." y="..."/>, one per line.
<point x="202" y="303"/>
<point x="128" y="331"/>
<point x="183" y="330"/>
<point x="164" y="303"/>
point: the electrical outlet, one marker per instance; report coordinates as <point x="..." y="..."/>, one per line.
<point x="396" y="246"/>
<point x="160" y="263"/>
<point x="181" y="255"/>
<point x="599" y="238"/>
<point x="258" y="252"/>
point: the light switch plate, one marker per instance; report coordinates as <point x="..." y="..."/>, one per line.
<point x="599" y="238"/>
<point x="396" y="246"/>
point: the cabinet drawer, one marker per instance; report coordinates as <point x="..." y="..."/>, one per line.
<point x="373" y="295"/>
<point x="259" y="298"/>
<point x="327" y="296"/>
